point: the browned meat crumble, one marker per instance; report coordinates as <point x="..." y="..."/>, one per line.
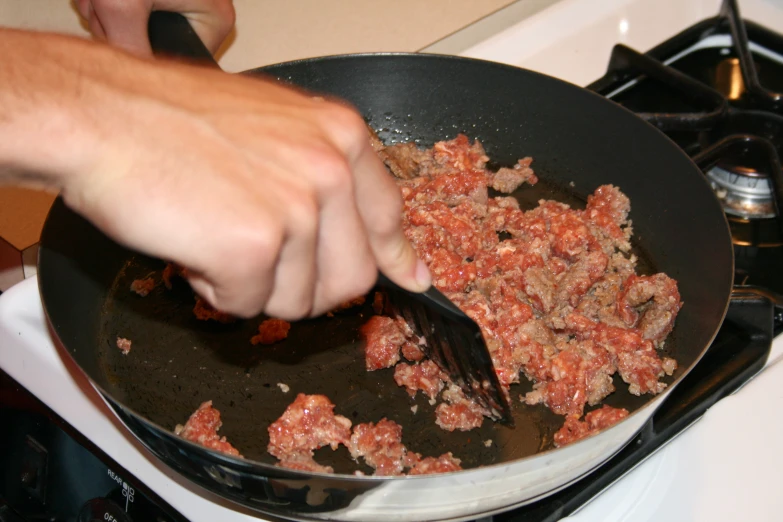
<point x="143" y="286"/>
<point x="271" y="331"/>
<point x="206" y="312"/>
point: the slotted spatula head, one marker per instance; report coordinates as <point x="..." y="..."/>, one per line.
<point x="455" y="343"/>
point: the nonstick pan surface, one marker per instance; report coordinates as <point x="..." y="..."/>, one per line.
<point x="578" y="141"/>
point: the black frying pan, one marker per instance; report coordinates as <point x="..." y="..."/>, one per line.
<point x="578" y="141"/>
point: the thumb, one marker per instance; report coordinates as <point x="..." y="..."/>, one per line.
<point x="380" y="206"/>
<point x="124" y="24"/>
<point x="398" y="261"/>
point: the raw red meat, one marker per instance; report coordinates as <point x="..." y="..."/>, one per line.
<point x="446" y="463"/>
<point x="307" y="424"/>
<point x="458" y="412"/>
<point x="380" y="445"/>
<point x="383" y="339"/>
<point x="425" y="376"/>
<point x="202" y="428"/>
<point x="595" y="421"/>
<point x="555" y="295"/>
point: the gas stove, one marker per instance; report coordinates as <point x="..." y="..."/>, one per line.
<point x="709" y="82"/>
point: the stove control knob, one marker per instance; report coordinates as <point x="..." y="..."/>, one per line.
<point x="102" y="510"/>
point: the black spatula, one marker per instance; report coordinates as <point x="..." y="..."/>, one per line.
<point x="455" y="343"/>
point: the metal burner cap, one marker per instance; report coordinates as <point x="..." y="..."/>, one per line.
<point x="743" y="193"/>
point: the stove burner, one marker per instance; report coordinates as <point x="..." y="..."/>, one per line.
<point x="728" y="79"/>
<point x="712" y="103"/>
<point x="757" y="233"/>
<point x="743" y="192"/>
<point x="740" y="181"/>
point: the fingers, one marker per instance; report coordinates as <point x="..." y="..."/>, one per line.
<point x="124" y="22"/>
<point x="380" y="206"/>
<point x="272" y="201"/>
<point x="346" y="266"/>
<point x="87" y="12"/>
<point x="379" y="203"/>
<point x="292" y="296"/>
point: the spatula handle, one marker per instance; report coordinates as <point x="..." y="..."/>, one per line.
<point x="172" y="35"/>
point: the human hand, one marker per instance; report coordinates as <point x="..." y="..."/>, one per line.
<point x="274" y="200"/>
<point x="124" y="22"/>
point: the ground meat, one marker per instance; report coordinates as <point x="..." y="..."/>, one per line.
<point x="170" y="271"/>
<point x="143" y="286"/>
<point x="553" y="288"/>
<point x="124" y="345"/>
<point x="459" y="412"/>
<point x="347" y="305"/>
<point x="425" y="376"/>
<point x="271" y="331"/>
<point x="383" y="339"/>
<point x="206" y="312"/>
<point x="412" y="351"/>
<point x="308" y="423"/>
<point x="202" y="428"/>
<point x="380" y="445"/>
<point x="607" y="217"/>
<point x="580" y="374"/>
<point x="650" y="304"/>
<point x="508" y="180"/>
<point x="580" y="277"/>
<point x="608" y="200"/>
<point x="669" y="365"/>
<point x="540" y="288"/>
<point x="600" y="303"/>
<point x="595" y="421"/>
<point x="446" y="463"/>
<point x="405" y="159"/>
<point x="379" y="303"/>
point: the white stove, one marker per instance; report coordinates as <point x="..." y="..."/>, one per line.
<point x="726" y="467"/>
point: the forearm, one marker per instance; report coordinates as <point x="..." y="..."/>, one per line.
<point x="273" y="200"/>
<point x="47" y="126"/>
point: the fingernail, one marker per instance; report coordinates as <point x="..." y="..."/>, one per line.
<point x="423" y="276"/>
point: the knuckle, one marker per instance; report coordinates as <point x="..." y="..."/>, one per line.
<point x="359" y="281"/>
<point x="302" y="207"/>
<point x="388" y="220"/>
<point x="333" y="170"/>
<point x="255" y="250"/>
<point x="353" y="276"/>
<point x="347" y="124"/>
<point x="280" y="305"/>
<point x="365" y="278"/>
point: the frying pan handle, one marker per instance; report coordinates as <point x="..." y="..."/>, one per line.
<point x="171" y="35"/>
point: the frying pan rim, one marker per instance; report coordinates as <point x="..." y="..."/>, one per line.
<point x="655" y="401"/>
